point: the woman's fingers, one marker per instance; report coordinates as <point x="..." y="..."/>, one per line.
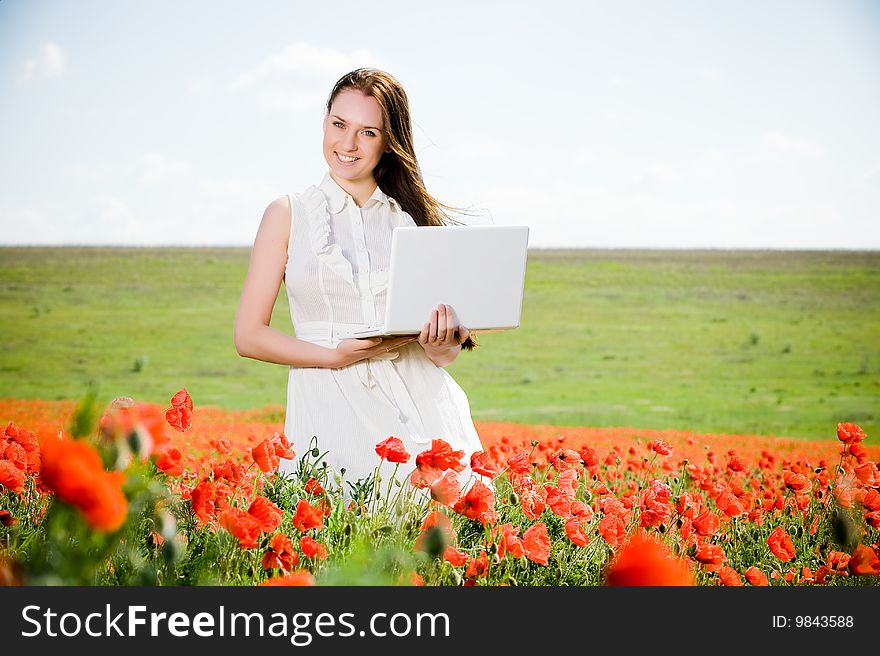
<point x="432" y="329"/>
<point x="441" y="323"/>
<point x="450" y="326"/>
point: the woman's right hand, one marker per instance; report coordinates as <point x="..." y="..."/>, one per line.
<point x="349" y="351"/>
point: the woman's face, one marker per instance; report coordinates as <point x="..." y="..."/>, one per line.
<point x="353" y="129"/>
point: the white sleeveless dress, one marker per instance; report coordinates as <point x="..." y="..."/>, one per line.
<point x="337" y="278"/>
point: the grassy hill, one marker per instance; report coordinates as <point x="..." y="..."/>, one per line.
<point x="765" y="342"/>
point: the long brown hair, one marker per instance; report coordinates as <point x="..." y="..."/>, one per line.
<point x="398" y="173"/>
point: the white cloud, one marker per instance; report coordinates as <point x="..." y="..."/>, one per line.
<point x="665" y="174"/>
<point x="871" y="176"/>
<point x="296" y="79"/>
<point x="155" y="168"/>
<point x="789" y="144"/>
<point x="303" y="101"/>
<point x="303" y="60"/>
<point x="116" y="223"/>
<point x="708" y="74"/>
<point x="51" y="62"/>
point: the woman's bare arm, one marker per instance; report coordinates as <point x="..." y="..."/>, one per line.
<point x="252" y="335"/>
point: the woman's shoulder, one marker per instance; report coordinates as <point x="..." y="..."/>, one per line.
<point x="277" y="216"/>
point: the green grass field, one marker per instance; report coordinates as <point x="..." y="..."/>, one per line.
<point x="764" y="342"/>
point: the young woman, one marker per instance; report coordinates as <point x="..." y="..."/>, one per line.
<point x="331" y="246"/>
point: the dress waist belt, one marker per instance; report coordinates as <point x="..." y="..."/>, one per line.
<point x="377" y="368"/>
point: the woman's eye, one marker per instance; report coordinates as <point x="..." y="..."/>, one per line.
<point x="371" y="133"/>
<point x="337" y="123"/>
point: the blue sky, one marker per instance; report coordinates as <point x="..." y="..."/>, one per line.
<point x="614" y="124"/>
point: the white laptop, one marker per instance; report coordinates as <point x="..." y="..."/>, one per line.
<point x="479" y="271"/>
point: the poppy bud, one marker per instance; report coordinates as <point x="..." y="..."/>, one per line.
<point x="514" y="499"/>
<point x="685" y="462"/>
<point x="534" y="442"/>
<point x="456" y="577"/>
<point x="679" y="522"/>
<point x="675" y="480"/>
<point x="315" y="452"/>
<point x="662" y="527"/>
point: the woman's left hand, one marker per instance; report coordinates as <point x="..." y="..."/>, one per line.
<point x="441" y="336"/>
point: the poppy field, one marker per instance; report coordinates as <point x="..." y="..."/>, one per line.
<point x="144" y="494"/>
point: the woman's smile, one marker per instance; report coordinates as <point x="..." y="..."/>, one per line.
<point x="345" y="160"/>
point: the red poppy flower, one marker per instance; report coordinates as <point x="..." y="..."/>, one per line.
<point x="203" y="498"/>
<point x="868" y="474"/>
<point x="281" y="554"/>
<point x="536" y="543"/>
<point x="797" y="483"/>
<point x="729" y="504"/>
<point x="574" y="529"/>
<point x="864" y="561"/>
<point x="589" y="457"/>
<point x="564" y="459"/>
<point x="299" y="577"/>
<point x="532" y="504"/>
<point x="392" y="450"/>
<point x="454" y="556"/>
<point x="613" y="529"/>
<point x="706" y="524"/>
<point x="440" y="457"/>
<point x="644" y="560"/>
<point x="481" y="463"/>
<point x="510" y="541"/>
<point x="179" y="415"/>
<point x="781" y="545"/>
<point x="478" y="567"/>
<point x="307" y="517"/>
<point x="74" y="471"/>
<point x="519" y="462"/>
<point x="710" y="554"/>
<point x="22" y="436"/>
<point x="736" y="464"/>
<point x="267" y="513"/>
<point x="478" y="501"/>
<point x="660" y="447"/>
<point x="312" y="548"/>
<point x="182" y="398"/>
<point x="241" y="524"/>
<point x="313" y="487"/>
<point x="850" y="433"/>
<point x="223" y="446"/>
<point x="7" y="519"/>
<point x="446" y="489"/>
<point x="581" y="510"/>
<point x="265" y="457"/>
<point x="559" y="499"/>
<point x="756" y="576"/>
<point x="12" y="477"/>
<point x="15" y="454"/>
<point x="729" y="576"/>
<point x="169" y="461"/>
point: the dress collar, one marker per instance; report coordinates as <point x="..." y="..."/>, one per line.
<point x="337" y="196"/>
